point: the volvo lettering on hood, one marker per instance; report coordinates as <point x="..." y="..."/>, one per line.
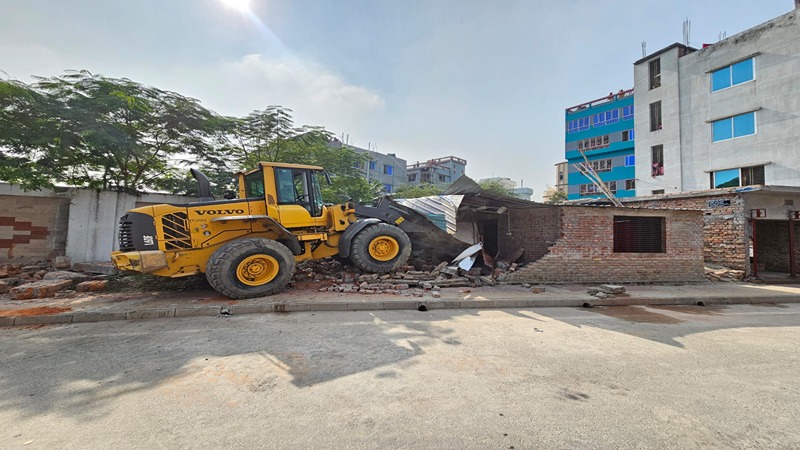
<point x="217" y="212"/>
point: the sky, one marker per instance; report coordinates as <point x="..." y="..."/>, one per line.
<point x="487" y="81"/>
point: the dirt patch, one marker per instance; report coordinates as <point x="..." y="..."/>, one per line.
<point x="715" y="310"/>
<point x="40" y="311"/>
<point x="633" y="314"/>
<point x="772" y="305"/>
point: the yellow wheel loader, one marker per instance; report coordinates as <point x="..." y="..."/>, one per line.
<point x="248" y="246"/>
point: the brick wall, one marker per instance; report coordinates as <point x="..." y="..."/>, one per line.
<point x="584" y="253"/>
<point x="532" y="229"/>
<point x="79" y="223"/>
<point x="725" y="225"/>
<point x="32" y="228"/>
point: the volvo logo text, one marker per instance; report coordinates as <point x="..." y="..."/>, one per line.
<point x="219" y="212"/>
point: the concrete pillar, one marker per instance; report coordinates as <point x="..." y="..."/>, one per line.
<point x="93" y="217"/>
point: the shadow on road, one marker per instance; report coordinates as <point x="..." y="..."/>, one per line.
<point x="77" y="370"/>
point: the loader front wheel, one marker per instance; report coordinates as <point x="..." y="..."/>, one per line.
<point x="247" y="268"/>
<point x="380" y="248"/>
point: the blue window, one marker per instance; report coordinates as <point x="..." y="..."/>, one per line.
<point x="372" y="165"/>
<point x="573" y="126"/>
<point x="387" y="169"/>
<point x="732" y="75"/>
<point x="357" y="164"/>
<point x="612" y="116"/>
<point x="627" y="113"/>
<point x="387" y="188"/>
<point x="733" y="127"/>
<point x="630" y="160"/>
<point x="598" y="120"/>
<point x="726" y="178"/>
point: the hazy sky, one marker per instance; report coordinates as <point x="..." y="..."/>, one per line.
<point x="487" y="81"/>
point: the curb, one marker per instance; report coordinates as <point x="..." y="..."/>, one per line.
<point x="420" y="305"/>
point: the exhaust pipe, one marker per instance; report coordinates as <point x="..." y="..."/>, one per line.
<point x="203" y="185"/>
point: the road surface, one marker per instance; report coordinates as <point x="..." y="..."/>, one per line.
<point x="627" y="377"/>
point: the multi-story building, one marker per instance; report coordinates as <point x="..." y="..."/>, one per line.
<point x="443" y="170"/>
<point x="601" y="131"/>
<point x="726" y="115"/>
<point x="561" y="177"/>
<point x="387" y="169"/>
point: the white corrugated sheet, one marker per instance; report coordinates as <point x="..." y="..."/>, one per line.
<point x="438" y="204"/>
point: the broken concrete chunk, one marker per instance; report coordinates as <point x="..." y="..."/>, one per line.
<point x="103" y="267"/>
<point x="450" y="270"/>
<point x="91" y="286"/>
<point x="453" y="282"/>
<point x="74" y="277"/>
<point x="62" y="262"/>
<point x="39" y="289"/>
<point x="612" y="288"/>
<point x="487" y="280"/>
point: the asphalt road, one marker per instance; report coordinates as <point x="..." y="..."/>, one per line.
<point x="627" y="377"/>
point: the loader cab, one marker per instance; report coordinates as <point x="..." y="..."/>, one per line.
<point x="292" y="193"/>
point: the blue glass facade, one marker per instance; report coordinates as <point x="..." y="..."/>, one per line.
<point x="603" y="130"/>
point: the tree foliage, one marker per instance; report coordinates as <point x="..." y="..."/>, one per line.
<point x="270" y="135"/>
<point x="99" y="132"/>
<point x="419" y="190"/>
<point x="557" y="197"/>
<point x="88" y="130"/>
<point x="496" y="187"/>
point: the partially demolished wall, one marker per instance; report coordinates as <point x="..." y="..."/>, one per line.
<point x="533" y="230"/>
<point x="584" y="252"/>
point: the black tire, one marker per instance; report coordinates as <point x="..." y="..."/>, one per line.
<point x="252" y="267"/>
<point x="382" y="258"/>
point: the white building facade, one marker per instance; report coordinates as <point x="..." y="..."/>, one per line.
<point x="726" y="115"/>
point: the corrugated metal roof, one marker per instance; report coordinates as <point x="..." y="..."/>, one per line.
<point x="438" y="204"/>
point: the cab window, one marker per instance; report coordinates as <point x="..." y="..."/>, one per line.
<point x="299" y="187"/>
<point x="254" y="185"/>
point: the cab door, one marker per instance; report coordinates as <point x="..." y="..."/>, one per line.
<point x="299" y="200"/>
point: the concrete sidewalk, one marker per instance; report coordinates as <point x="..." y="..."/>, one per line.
<point x="153" y="305"/>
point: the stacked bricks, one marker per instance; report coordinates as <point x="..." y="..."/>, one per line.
<point x="725" y="228"/>
<point x="585" y="251"/>
<point x="533" y="229"/>
<point x="32" y="228"/>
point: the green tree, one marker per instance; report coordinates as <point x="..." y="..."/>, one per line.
<point x="29" y="128"/>
<point x="270" y="135"/>
<point x="99" y="132"/>
<point x="419" y="190"/>
<point x="557" y="197"/>
<point x="496" y="187"/>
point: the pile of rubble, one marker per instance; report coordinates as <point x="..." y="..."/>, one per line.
<point x="47" y="279"/>
<point x="720" y="273"/>
<point x="411" y="280"/>
<point x="608" y="291"/>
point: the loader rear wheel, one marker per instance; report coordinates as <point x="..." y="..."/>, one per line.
<point x="380" y="248"/>
<point x="248" y="268"/>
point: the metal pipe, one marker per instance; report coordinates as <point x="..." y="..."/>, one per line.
<point x="755" y="249"/>
<point x="792" y="268"/>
